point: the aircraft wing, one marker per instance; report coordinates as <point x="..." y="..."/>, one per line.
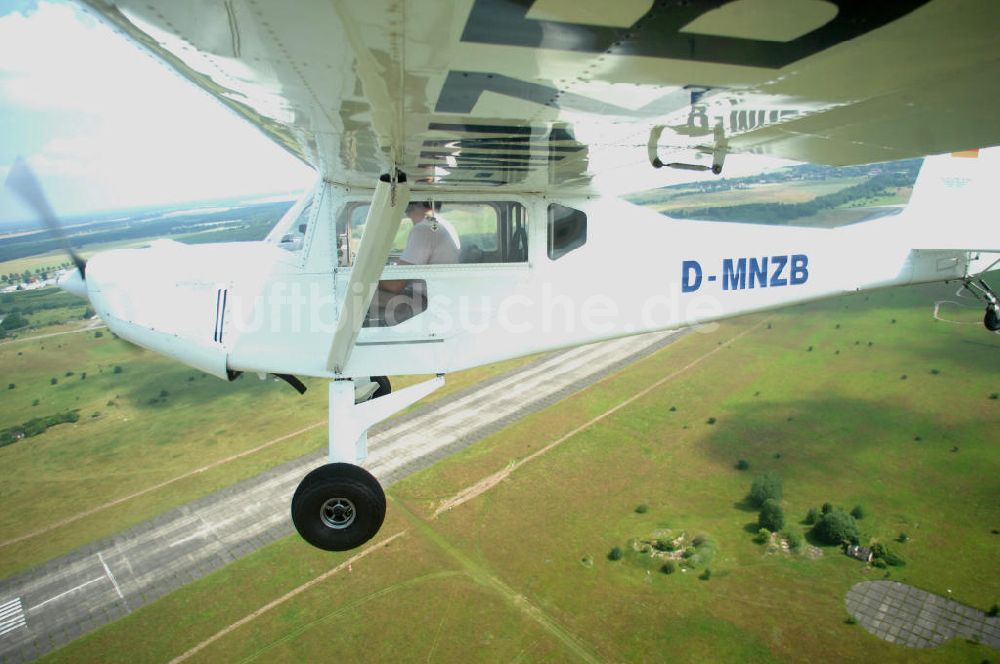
<point x="534" y="95"/>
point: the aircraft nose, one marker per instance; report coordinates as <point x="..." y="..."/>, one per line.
<point x="72" y="281"/>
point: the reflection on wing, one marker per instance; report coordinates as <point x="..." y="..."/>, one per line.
<point x="532" y="95"/>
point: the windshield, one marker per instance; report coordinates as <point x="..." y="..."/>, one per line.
<point x="290" y="231"/>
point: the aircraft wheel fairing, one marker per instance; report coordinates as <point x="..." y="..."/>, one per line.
<point x="338" y="507"/>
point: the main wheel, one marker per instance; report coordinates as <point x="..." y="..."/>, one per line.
<point x="384" y="386"/>
<point x="338" y="507"/>
<point x="992" y="319"/>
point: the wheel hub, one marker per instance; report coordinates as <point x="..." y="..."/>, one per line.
<point x="337" y="513"/>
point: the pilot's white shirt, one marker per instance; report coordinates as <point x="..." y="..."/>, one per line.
<point x="431" y="241"/>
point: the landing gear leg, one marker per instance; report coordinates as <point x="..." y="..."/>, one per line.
<point x="341" y="505"/>
<point x="983" y="291"/>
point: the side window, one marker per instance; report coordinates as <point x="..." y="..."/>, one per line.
<point x="567" y="230"/>
<point x="451" y="232"/>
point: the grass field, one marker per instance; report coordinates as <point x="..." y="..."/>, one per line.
<point x="129" y="437"/>
<point x="520" y="572"/>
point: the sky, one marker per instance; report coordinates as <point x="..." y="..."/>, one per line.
<point x="106" y="126"/>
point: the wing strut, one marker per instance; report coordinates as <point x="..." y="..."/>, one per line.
<point x="392" y="193"/>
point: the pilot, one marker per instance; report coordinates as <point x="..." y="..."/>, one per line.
<point x="432" y="241"/>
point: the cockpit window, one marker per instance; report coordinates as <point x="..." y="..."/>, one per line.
<point x="448" y="232"/>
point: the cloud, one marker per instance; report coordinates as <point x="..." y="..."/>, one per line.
<point x="112" y="127"/>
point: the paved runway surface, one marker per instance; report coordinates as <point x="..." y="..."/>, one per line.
<point x="54" y="603"/>
<point x="900" y="613"/>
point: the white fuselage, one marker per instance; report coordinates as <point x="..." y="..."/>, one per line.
<point x="257" y="307"/>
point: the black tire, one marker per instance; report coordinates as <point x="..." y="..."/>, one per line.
<point x="991" y="320"/>
<point x="384" y="386"/>
<point x="338" y="507"/>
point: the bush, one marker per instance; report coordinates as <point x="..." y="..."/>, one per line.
<point x="14" y="321"/>
<point x="98" y="334"/>
<point x="879" y="563"/>
<point x="858" y="512"/>
<point x="994" y="610"/>
<point x="995" y="396"/>
<point x="812" y="516"/>
<point x="881" y="552"/>
<point x="11" y="386"/>
<point x="763" y="536"/>
<point x="117" y="369"/>
<point x="903" y="538"/>
<point x="639" y="509"/>
<point x="795" y="539"/>
<point x="68" y="374"/>
<point x="669" y="567"/>
<point x="771" y="516"/>
<point x="706" y="575"/>
<point x="765" y="487"/>
<point x="615" y="553"/>
<point x="663" y="545"/>
<point x="164" y="394"/>
<point x="835" y="527"/>
<point x="699" y="540"/>
<point x="710" y="420"/>
<point x="742" y="464"/>
<point x="827" y="508"/>
<point x="53" y="380"/>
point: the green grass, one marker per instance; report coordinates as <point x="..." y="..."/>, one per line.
<point x="500" y="578"/>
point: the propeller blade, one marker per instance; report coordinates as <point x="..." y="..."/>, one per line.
<point x="22" y="181"/>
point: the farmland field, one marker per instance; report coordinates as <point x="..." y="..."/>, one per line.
<point x="863" y="400"/>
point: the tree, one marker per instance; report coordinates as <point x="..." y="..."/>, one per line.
<point x="812" y="516"/>
<point x="771" y="516"/>
<point x="14" y="321"/>
<point x="858" y="512"/>
<point x="835" y="527"/>
<point x="764" y="487"/>
<point x="827" y="508"/>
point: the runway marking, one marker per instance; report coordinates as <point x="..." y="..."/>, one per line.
<point x="60" y="595"/>
<point x="12" y="616"/>
<point x="156" y="487"/>
<point x="111" y="577"/>
<point x="284" y="598"/>
<point x="491" y="481"/>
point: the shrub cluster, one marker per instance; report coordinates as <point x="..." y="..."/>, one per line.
<point x="36" y="426"/>
<point x="835" y="527"/>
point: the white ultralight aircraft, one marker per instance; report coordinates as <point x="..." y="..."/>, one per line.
<point x="517" y="125"/>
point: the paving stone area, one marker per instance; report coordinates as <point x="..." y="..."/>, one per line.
<point x="900" y="613"/>
<point x="52" y="604"/>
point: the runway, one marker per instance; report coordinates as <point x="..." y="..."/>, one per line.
<point x="52" y="604"/>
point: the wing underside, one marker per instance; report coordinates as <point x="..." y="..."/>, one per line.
<point x="534" y="95"/>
